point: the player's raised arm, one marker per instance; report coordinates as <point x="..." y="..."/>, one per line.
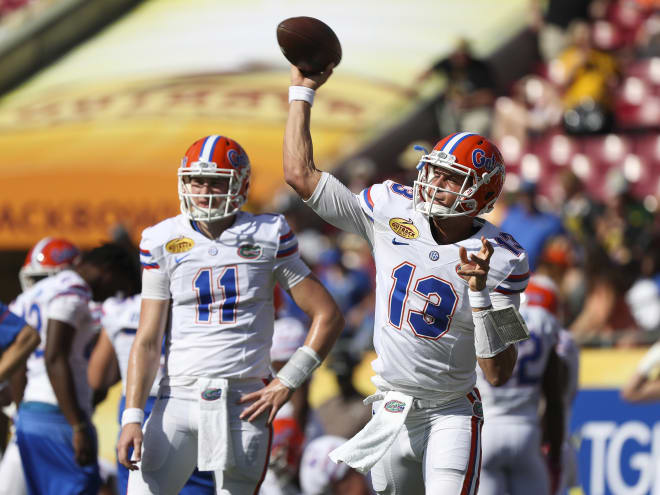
<point x="143" y="365"/>
<point x="299" y="169"/>
<point x="326" y="325"/>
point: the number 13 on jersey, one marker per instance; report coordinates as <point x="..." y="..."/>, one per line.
<point x="440" y="302"/>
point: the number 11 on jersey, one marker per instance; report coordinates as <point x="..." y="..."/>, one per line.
<point x="227" y="293"/>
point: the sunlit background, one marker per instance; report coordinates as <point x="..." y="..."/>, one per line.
<point x="99" y="100"/>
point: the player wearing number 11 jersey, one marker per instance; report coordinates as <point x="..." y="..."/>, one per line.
<point x="443" y="281"/>
<point x="207" y="284"/>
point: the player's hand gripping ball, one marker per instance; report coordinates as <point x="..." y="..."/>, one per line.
<point x="308" y="43"/>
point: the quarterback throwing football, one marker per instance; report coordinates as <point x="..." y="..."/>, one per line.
<point x="447" y="292"/>
<point x="211" y="272"/>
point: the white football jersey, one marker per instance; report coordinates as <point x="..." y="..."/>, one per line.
<point x="222" y="292"/>
<point x="120" y="322"/>
<point x="423" y="331"/>
<point x="65" y="297"/>
<point x="520" y="395"/>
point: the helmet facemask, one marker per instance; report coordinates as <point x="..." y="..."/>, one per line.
<point x="220" y="205"/>
<point x="28" y="276"/>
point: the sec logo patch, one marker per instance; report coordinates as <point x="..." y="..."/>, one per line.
<point x="404" y="228"/>
<point x="179" y="245"/>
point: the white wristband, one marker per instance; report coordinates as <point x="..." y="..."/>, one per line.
<point x="299" y="367"/>
<point x="301" y="93"/>
<point x="479" y="299"/>
<point x="132" y="415"/>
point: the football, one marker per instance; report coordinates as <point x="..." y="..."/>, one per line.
<point x="308" y="43"/>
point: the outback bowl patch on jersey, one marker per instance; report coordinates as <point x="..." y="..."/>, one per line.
<point x="179" y="245"/>
<point x="404" y="228"/>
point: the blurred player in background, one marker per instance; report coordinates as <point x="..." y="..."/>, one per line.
<point x="17" y="341"/>
<point x="569" y="353"/>
<point x="543" y="292"/>
<point x="56" y="438"/>
<point x="513" y="463"/>
<point x="109" y="363"/>
<point x="212" y="271"/>
<point x="644" y="385"/>
<point x="320" y="476"/>
<point x="47" y="257"/>
<point x="289" y="425"/>
<point x="439" y="311"/>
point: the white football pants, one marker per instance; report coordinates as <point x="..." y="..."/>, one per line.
<point x="12" y="479"/>
<point x="512" y="460"/>
<point x="169" y="451"/>
<point x="438" y="450"/>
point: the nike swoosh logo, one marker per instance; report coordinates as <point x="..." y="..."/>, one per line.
<point x="180" y="258"/>
<point x="397" y="243"/>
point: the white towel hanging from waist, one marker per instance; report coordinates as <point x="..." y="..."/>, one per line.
<point x="214" y="445"/>
<point x="372" y="442"/>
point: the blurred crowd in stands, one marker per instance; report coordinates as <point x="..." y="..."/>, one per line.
<point x="16" y="12"/>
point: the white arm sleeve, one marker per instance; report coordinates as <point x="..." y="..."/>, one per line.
<point x="291" y="273"/>
<point x="155" y="285"/>
<point x="337" y="205"/>
<point x="499" y="300"/>
<point x="69" y="308"/>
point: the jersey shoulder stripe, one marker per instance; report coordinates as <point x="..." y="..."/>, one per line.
<point x="287" y="237"/>
<point x="287" y="240"/>
<point x="366" y="203"/>
<point x="379" y="200"/>
<point x="282" y="253"/>
<point x="154" y="238"/>
<point x="366" y="194"/>
<point x="73" y="292"/>
<point x="515" y="283"/>
<point x="509" y="267"/>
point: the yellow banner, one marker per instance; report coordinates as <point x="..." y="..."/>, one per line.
<point x="77" y="160"/>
